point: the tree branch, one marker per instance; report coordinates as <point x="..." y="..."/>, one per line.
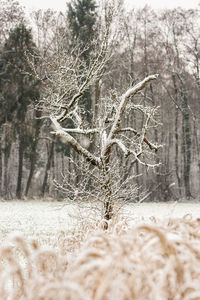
<point x="124" y="100"/>
<point x="94" y="71"/>
<point x="81" y="131"/>
<point x="120" y="144"/>
<point x="75" y="145"/>
<point x="120" y="111"/>
<point x="151" y="145"/>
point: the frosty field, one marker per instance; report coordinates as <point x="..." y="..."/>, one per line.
<point x="151" y="253"/>
<point x="46" y="219"/>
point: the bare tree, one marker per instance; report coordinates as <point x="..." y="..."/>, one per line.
<point x="67" y="80"/>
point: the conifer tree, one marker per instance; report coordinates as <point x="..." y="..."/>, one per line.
<point x="18" y="88"/>
<point x="82" y="17"/>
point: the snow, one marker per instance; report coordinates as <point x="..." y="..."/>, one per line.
<point x="47" y="219"/>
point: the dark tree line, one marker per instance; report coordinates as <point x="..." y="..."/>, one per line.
<point x="141" y="42"/>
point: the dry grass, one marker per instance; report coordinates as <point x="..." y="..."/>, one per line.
<point x="149" y="261"/>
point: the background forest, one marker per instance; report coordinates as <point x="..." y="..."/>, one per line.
<point x="33" y="162"/>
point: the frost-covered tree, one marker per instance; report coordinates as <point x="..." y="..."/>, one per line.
<point x="113" y="140"/>
<point x="18" y="89"/>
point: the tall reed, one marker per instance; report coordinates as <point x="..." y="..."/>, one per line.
<point x="149" y="261"/>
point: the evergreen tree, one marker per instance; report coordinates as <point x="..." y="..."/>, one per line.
<point x="82" y="17"/>
<point x="18" y="88"/>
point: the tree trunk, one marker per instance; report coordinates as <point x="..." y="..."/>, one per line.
<point x="34" y="151"/>
<point x="5" y="188"/>
<point x="177" y="151"/>
<point x="20" y="167"/>
<point x="1" y="171"/>
<point x="197" y="149"/>
<point x="108" y="202"/>
<point x="7" y="143"/>
<point x="48" y="166"/>
<point x="32" y="168"/>
<point x="187" y="152"/>
<point x="5" y="177"/>
<point x="96" y="103"/>
<point x="176" y="135"/>
<point x="186" y="136"/>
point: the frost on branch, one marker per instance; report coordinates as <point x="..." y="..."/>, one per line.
<point x="114" y="145"/>
<point x="109" y="139"/>
<point x="108" y="136"/>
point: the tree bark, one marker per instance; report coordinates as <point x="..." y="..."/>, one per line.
<point x="5" y="185"/>
<point x="33" y="152"/>
<point x="32" y="168"/>
<point x="1" y="170"/>
<point x="108" y="202"/>
<point x="176" y="135"/>
<point x="7" y="143"/>
<point x="48" y="166"/>
<point x="186" y="137"/>
<point x="20" y="167"/>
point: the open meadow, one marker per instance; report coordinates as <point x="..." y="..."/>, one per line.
<point x="49" y="251"/>
<point x="46" y="219"/>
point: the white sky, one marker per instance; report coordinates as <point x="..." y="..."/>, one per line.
<point x="61" y="4"/>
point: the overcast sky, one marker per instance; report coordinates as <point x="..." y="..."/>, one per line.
<point x="61" y="4"/>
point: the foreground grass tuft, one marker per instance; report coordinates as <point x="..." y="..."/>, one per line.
<point x="148" y="261"/>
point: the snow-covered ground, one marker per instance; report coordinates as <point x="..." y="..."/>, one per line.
<point x="162" y="210"/>
<point x="46" y="219"/>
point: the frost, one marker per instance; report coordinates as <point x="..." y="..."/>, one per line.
<point x="158" y="260"/>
